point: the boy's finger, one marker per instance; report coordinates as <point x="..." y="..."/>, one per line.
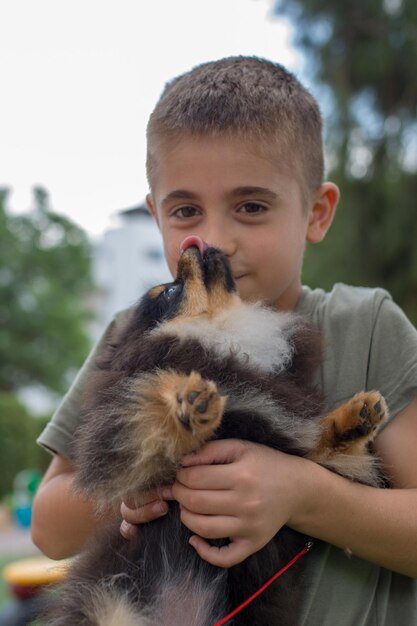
<point x="226" y="556"/>
<point x="128" y="531"/>
<point x="146" y="497"/>
<point x="207" y="502"/>
<point x="211" y="526"/>
<point x="205" y="477"/>
<point x="145" y="513"/>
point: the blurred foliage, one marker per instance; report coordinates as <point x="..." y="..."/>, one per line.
<point x="44" y="284"/>
<point x="18" y="448"/>
<point x="362" y="57"/>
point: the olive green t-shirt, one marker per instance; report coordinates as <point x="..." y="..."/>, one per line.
<point x="369" y="344"/>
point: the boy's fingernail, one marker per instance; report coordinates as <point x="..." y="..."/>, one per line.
<point x="127" y="530"/>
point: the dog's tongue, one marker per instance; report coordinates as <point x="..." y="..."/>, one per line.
<point x="193" y="240"/>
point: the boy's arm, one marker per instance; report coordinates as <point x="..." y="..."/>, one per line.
<point x="62" y="520"/>
<point x="248" y="492"/>
<point x="397" y="447"/>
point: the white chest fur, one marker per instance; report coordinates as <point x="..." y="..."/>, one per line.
<point x="254" y="333"/>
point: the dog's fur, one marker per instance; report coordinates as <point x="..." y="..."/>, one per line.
<point x="192" y="363"/>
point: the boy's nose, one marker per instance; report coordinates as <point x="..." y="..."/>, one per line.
<point x="228" y="248"/>
<point x="220" y="238"/>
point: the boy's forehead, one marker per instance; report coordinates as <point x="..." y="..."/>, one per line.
<point x="251" y="164"/>
<point x="270" y="147"/>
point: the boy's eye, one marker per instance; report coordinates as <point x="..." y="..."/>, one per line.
<point x="185" y="212"/>
<point x="252" y="208"/>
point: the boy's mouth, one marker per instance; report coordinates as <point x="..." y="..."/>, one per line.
<point x="194" y="241"/>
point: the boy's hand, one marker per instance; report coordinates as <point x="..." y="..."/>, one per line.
<point x="147" y="506"/>
<point x="240" y="490"/>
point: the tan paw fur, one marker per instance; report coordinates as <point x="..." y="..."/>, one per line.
<point x="356" y="423"/>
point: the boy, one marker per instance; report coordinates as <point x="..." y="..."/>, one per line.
<point x="235" y="156"/>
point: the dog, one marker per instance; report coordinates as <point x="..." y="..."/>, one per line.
<point x="191" y="363"/>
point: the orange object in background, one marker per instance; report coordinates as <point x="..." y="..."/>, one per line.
<point x="26" y="579"/>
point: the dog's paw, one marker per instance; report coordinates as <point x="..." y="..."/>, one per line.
<point x="199" y="406"/>
<point x="362" y="419"/>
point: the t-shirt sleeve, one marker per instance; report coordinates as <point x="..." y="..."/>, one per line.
<point x="369" y="343"/>
<point x="392" y="367"/>
<point x="58" y="433"/>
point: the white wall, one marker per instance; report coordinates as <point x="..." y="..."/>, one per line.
<point x="127" y="261"/>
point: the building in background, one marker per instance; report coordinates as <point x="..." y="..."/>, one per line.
<point x="127" y="261"/>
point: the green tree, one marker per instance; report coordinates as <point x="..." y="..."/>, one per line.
<point x="362" y="57"/>
<point x="44" y="284"/>
<point x="18" y="433"/>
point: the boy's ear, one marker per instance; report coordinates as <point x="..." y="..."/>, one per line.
<point x="322" y="212"/>
<point x="151" y="207"/>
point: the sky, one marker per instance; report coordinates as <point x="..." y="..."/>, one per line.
<point x="80" y="78"/>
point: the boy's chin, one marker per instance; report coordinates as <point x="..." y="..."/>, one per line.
<point x="247" y="292"/>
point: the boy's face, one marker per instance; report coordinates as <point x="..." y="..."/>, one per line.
<point x="236" y="199"/>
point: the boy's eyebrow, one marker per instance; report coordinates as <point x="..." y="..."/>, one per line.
<point x="178" y="194"/>
<point x="251" y="190"/>
<point x="248" y="190"/>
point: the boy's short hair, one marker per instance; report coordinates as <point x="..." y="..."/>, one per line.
<point x="248" y="96"/>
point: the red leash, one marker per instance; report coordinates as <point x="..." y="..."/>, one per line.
<point x="269" y="582"/>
